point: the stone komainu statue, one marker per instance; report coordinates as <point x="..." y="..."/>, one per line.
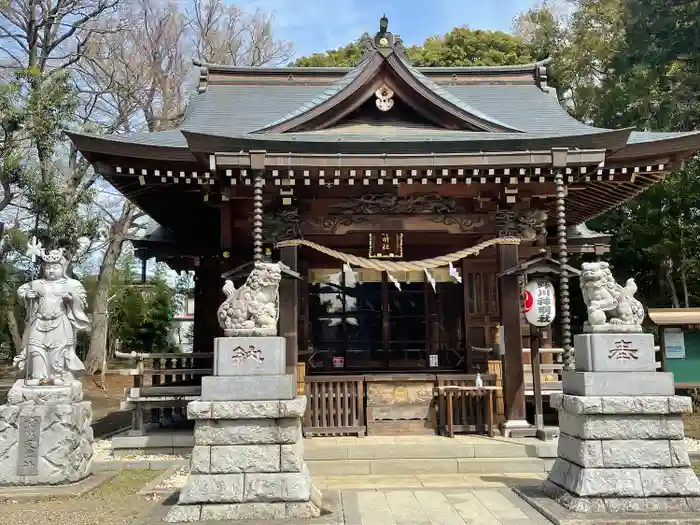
<point x="252" y="309"/>
<point x="611" y="307"/>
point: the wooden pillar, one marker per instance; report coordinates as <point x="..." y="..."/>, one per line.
<point x="304" y="327"/>
<point x="207" y="297"/>
<point x="513" y="375"/>
<point x="565" y="314"/>
<point x="226" y="238"/>
<point x="198" y="332"/>
<point x="289" y="308"/>
<point x="465" y="316"/>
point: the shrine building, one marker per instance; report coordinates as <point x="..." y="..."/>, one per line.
<point x="398" y="194"/>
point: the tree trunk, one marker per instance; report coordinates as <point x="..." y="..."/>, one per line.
<point x="668" y="274"/>
<point x="684" y="283"/>
<point x="14" y="329"/>
<point x="100" y="321"/>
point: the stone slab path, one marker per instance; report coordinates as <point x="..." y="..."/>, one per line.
<point x="426" y="481"/>
<point x="498" y="506"/>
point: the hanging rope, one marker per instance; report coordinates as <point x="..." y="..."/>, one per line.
<point x="400" y="266"/>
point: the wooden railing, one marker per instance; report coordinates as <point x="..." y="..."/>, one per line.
<point x="550" y="372"/>
<point x="164" y="388"/>
<point x="335" y="406"/>
<point x="472" y="409"/>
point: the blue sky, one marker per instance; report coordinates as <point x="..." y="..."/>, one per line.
<point x="317" y="25"/>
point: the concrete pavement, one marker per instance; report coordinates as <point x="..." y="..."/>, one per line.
<point x="498" y="506"/>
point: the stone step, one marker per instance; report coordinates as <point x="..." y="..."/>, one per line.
<point x="330" y="449"/>
<point x="441" y="448"/>
<point x="353" y="467"/>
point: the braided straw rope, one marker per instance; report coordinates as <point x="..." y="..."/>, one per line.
<point x="400" y="266"/>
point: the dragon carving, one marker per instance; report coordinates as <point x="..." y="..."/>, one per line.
<point x="253" y="308"/>
<point x="611" y="307"/>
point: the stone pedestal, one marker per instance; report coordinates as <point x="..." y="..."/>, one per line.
<point x="621" y="445"/>
<point x="45" y="435"/>
<point x="248" y="458"/>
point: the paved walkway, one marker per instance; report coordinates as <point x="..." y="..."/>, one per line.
<point x="498" y="506"/>
<point x="435" y="499"/>
<point x="427" y="481"/>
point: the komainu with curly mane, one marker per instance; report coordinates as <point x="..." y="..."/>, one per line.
<point x="611" y="307"/>
<point x="252" y="309"/>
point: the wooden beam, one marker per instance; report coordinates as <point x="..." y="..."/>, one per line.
<point x="403" y="160"/>
<point x="345" y="224"/>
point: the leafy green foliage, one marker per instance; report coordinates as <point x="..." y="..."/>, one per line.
<point x="471" y="47"/>
<point x="346" y="56"/>
<point x="34" y="111"/>
<point x="620" y="63"/>
<point x="127" y="316"/>
<point x="656" y="75"/>
<point x="142" y="316"/>
<point x="460" y="47"/>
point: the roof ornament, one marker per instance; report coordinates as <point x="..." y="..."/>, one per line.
<point x="383" y="40"/>
<point x="384" y="98"/>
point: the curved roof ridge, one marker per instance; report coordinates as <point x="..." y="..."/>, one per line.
<point x="508" y="68"/>
<point x="329" y="93"/>
<point x="402" y="67"/>
<point x="452" y="99"/>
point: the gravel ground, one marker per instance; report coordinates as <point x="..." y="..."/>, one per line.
<point x="102" y="451"/>
<point x="117" y="502"/>
<point x="175" y="481"/>
<point x="693" y="444"/>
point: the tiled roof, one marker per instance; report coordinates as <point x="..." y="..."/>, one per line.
<point x="452" y="98"/>
<point x="239" y="109"/>
<point x="327" y="94"/>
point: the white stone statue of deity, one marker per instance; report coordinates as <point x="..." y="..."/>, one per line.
<point x="611" y="307"/>
<point x="252" y="309"/>
<point x="55" y="306"/>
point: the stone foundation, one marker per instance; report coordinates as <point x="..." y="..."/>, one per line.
<point x="625" y="452"/>
<point x="45" y="443"/>
<point x="248" y="458"/>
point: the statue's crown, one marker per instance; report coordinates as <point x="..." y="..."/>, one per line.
<point x="53" y="256"/>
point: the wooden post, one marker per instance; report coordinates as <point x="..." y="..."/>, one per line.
<point x="495" y="370"/>
<point x="386" y="312"/>
<point x="303" y="326"/>
<point x="513" y="373"/>
<point x="465" y="316"/>
<point x="536" y="378"/>
<point x="207" y="291"/>
<point x="289" y="308"/>
<point x="564" y="314"/>
<point x="198" y="342"/>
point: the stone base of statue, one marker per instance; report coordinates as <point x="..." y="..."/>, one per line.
<point x="248" y="458"/>
<point x="45" y="435"/>
<point x="621" y="446"/>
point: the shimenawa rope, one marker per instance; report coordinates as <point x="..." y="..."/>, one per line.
<point x="400" y="266"/>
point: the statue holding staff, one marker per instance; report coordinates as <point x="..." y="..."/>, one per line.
<point x="55" y="306"/>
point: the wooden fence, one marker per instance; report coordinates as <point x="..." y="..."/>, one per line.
<point x="335" y="406"/>
<point x="472" y="408"/>
<point x="164" y="388"/>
